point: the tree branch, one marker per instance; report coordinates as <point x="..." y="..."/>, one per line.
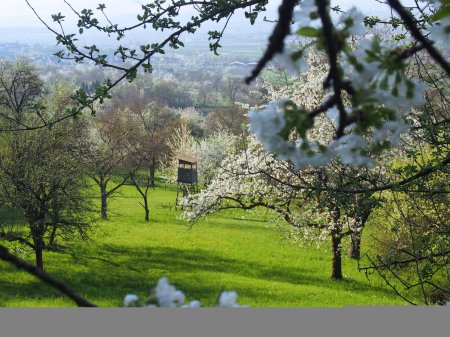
<point x="408" y="20"/>
<point x="276" y="40"/>
<point x="5" y="255"/>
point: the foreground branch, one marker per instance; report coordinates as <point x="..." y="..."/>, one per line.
<point x="5" y="255"/>
<point x="384" y="265"/>
<point x="276" y="40"/>
<point x="408" y="20"/>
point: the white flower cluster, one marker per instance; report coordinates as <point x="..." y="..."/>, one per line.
<point x="240" y="178"/>
<point x="380" y="88"/>
<point x="287" y="62"/>
<point x="167" y="296"/>
<point x="306" y="17"/>
<point x="228" y="299"/>
<point x="389" y="88"/>
<point x="302" y="17"/>
<point x="354" y="19"/>
<point x="392" y="90"/>
<point x="267" y="124"/>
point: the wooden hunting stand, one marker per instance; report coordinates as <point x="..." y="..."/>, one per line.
<point x="187" y="176"/>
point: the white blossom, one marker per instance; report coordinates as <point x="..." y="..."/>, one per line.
<point x="356" y="18"/>
<point x="228" y="299"/>
<point x="362" y="77"/>
<point x="178" y="298"/>
<point x="302" y="17"/>
<point x="167" y="295"/>
<point x="192" y="304"/>
<point x="129" y="299"/>
<point x="349" y="148"/>
<point x="333" y="115"/>
<point x="291" y="66"/>
<point x="396" y="128"/>
<point x="267" y="124"/>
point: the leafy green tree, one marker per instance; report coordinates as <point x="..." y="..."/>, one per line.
<point x="42" y="174"/>
<point x="20" y="92"/>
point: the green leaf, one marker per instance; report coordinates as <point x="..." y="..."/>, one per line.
<point x="308" y="31"/>
<point x="442" y="13"/>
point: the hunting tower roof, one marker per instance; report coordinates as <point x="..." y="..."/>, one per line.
<point x="187" y="159"/>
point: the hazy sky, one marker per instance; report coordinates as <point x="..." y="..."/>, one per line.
<point x="16" y="13"/>
<point x="18" y="23"/>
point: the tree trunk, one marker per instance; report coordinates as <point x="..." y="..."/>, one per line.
<point x="51" y="240"/>
<point x="355" y="245"/>
<point x="152" y="173"/>
<point x="147" y="211"/>
<point x="355" y="238"/>
<point x="39" y="260"/>
<point x="38" y="242"/>
<point x="337" y="261"/>
<point x="104" y="198"/>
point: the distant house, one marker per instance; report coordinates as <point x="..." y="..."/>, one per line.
<point x="243" y="65"/>
<point x="238" y="64"/>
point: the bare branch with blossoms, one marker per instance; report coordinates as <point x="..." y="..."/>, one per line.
<point x="380" y="94"/>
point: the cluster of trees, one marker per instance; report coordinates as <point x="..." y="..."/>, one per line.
<point x="47" y="173"/>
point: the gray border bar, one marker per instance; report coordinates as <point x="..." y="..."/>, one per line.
<point x="218" y="322"/>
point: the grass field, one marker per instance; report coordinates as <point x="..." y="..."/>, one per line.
<point x="224" y="251"/>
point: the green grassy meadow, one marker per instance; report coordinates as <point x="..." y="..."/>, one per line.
<point x="224" y="251"/>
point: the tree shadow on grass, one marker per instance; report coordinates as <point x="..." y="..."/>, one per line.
<point x="193" y="261"/>
<point x="97" y="279"/>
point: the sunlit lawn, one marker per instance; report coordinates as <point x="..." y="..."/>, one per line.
<point x="224" y="251"/>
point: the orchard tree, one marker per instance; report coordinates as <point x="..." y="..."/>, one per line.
<point x="308" y="200"/>
<point x="155" y="122"/>
<point x="172" y="93"/>
<point x="325" y="181"/>
<point x="194" y="120"/>
<point x="150" y="145"/>
<point x="204" y="94"/>
<point x="42" y="174"/>
<point x="232" y="89"/>
<point x="232" y="119"/>
<point x="410" y="242"/>
<point x="210" y="153"/>
<point x="110" y="152"/>
<point x="21" y="90"/>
